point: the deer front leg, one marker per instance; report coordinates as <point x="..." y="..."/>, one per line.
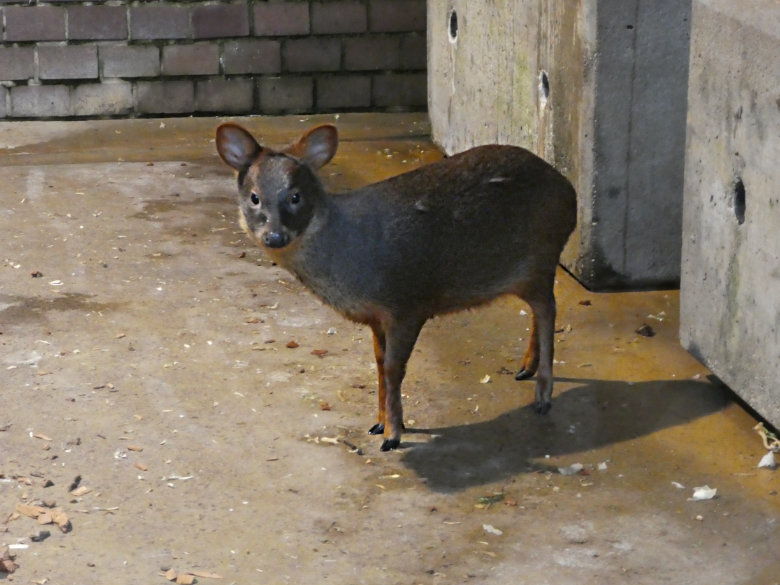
<point x="379" y="354"/>
<point x="400" y="343"/>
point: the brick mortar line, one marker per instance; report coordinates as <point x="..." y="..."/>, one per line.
<point x="130" y="42"/>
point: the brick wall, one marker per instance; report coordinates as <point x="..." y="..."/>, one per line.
<point x="69" y="58"/>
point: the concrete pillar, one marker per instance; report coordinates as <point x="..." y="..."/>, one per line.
<point x="730" y="289"/>
<point x="598" y="88"/>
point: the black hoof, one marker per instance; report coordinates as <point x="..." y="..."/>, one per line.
<point x="523" y="374"/>
<point x="377" y="429"/>
<point x="543" y="407"/>
<point x="390" y="444"/>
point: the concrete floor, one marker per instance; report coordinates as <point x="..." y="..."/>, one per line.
<point x="148" y="356"/>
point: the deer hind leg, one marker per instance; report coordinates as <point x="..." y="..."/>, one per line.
<point x="539" y="357"/>
<point x="531" y="358"/>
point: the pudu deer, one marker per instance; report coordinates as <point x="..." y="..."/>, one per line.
<point x="451" y="235"/>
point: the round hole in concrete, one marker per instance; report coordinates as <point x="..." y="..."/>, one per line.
<point x="544" y="88"/>
<point x="544" y="84"/>
<point x="739" y="201"/>
<point x="453" y="26"/>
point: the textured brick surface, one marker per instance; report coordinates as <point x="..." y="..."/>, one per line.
<point x="338" y="17"/>
<point x="102" y="99"/>
<point x="340" y="92"/>
<point x="195" y="59"/>
<point x="397" y="15"/>
<point x="159" y="22"/>
<point x="406" y="89"/>
<point x="285" y="94"/>
<point x="97" y="22"/>
<point x="251" y="56"/>
<point x="40" y="101"/>
<point x="414" y="54"/>
<point x="130" y="61"/>
<point x="34" y="23"/>
<point x="17" y="63"/>
<point x="165" y="97"/>
<point x="312" y="54"/>
<point x="68" y="62"/>
<point x="371" y="53"/>
<point x="210" y="56"/>
<point x="220" y="20"/>
<point x="281" y="18"/>
<point x="225" y="95"/>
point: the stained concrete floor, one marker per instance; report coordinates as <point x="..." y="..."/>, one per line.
<point x="143" y="349"/>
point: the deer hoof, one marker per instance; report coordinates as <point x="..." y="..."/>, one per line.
<point x="543" y="407"/>
<point x="390" y="444"/>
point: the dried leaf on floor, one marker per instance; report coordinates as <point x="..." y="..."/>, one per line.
<point x="45" y="515"/>
<point x="40" y="536"/>
<point x="61" y="519"/>
<point x="7" y="564"/>
<point x="29" y="510"/>
<point x="572" y="469"/>
<point x="645" y="330"/>
<point x="703" y="492"/>
<point x="768" y="460"/>
<point x="487" y="501"/>
<point x="75" y="483"/>
<point x="206" y="575"/>
<point x="769" y="439"/>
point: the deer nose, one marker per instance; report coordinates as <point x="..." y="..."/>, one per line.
<point x="275" y="239"/>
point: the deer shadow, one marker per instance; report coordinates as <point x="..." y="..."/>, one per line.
<point x="595" y="414"/>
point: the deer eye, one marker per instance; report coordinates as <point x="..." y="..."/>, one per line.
<point x="295" y="198"/>
<point x="254" y="198"/>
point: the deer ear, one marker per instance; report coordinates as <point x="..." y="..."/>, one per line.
<point x="236" y="146"/>
<point x="317" y="146"/>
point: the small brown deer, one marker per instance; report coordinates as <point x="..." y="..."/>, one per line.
<point x="448" y="236"/>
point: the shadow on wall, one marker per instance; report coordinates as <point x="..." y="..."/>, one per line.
<point x="601" y="412"/>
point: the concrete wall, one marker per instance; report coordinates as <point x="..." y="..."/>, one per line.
<point x="598" y="88"/>
<point x="730" y="297"/>
<point x="73" y="58"/>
